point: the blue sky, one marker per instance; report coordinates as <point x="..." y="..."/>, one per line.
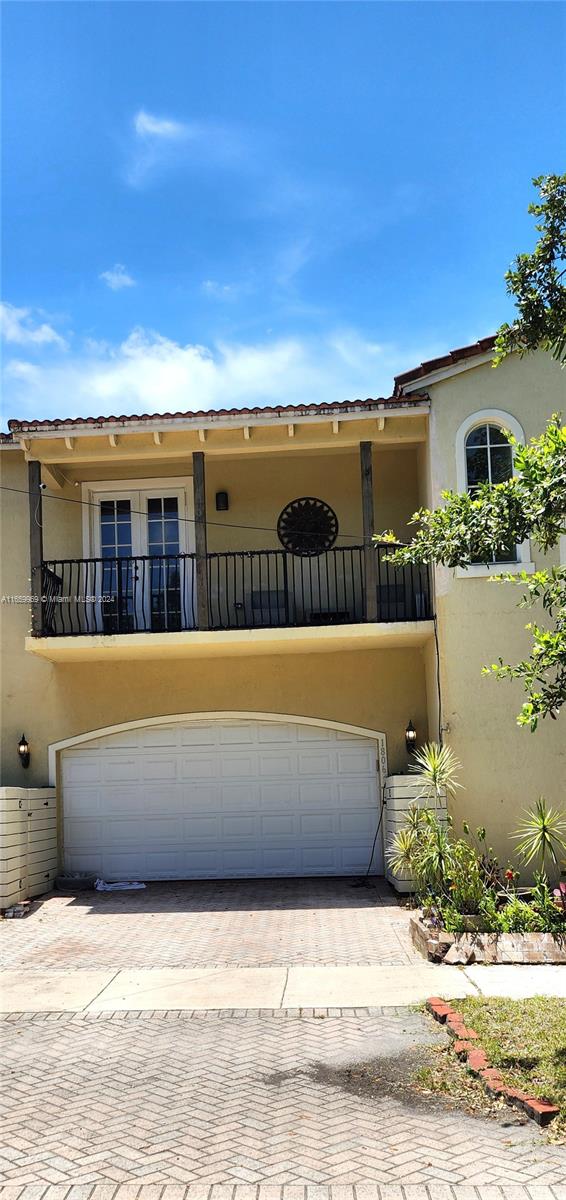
<point x="212" y="204"/>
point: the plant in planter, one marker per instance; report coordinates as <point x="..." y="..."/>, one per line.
<point x="458" y="882"/>
<point x="541" y="836"/>
<point x="437" y="767"/>
<point x="559" y="895"/>
<point x="450" y="873"/>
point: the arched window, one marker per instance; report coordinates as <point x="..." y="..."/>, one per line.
<point x="484" y="455"/>
<point x="489" y="456"/>
<point x="489" y="459"/>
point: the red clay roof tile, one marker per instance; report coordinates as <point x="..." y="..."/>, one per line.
<point x="17" y="426"/>
<point x="482" y="346"/>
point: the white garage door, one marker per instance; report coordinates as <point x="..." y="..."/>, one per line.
<point x="221" y="799"/>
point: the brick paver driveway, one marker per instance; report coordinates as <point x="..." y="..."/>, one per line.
<point x="236" y="923"/>
<point x="152" y="1102"/>
<point x="242" y="1099"/>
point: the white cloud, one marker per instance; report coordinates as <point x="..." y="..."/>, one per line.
<point x="290" y="260"/>
<point x="117" y="278"/>
<point x="146" y="125"/>
<point x="161" y="143"/>
<point x="225" y="291"/>
<point x="151" y="373"/>
<point x="19" y="326"/>
<point x="220" y="291"/>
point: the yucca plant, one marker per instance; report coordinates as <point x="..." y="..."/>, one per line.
<point x="423" y="849"/>
<point x="435" y="860"/>
<point x="414" y="818"/>
<point x="401" y="852"/>
<point x="437" y="767"/>
<point x="541" y="835"/>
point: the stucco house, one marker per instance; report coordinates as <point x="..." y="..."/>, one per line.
<point x="220" y="673"/>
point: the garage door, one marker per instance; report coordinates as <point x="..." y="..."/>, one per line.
<point x="228" y="799"/>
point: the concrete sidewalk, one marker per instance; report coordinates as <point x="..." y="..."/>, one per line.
<point x="267" y="987"/>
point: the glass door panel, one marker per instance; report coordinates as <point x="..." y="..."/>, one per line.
<point x="163" y="545"/>
<point x="117" y="577"/>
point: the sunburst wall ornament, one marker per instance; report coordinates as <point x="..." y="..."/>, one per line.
<point x="307" y="526"/>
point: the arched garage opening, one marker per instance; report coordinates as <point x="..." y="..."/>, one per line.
<point x="221" y="795"/>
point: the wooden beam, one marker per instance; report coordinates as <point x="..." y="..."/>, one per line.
<point x="368" y="528"/>
<point x="54" y="476"/>
<point x="199" y="488"/>
<point x="35" y="542"/>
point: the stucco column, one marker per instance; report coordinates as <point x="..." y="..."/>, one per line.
<point x="199" y="488"/>
<point x="368" y="529"/>
<point x="35" y="543"/>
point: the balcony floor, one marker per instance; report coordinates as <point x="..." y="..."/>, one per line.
<point x="230" y="642"/>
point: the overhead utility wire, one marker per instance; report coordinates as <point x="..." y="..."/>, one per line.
<point x="187" y="520"/>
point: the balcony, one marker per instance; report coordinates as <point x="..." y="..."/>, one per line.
<point x="246" y="590"/>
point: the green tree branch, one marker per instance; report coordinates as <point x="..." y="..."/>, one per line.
<point x="537" y="281"/>
<point x="480" y="527"/>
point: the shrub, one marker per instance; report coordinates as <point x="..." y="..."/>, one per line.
<point x="459" y="877"/>
<point x="519" y="917"/>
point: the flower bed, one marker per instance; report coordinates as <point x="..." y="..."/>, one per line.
<point x="439" y="945"/>
<point x="471" y="909"/>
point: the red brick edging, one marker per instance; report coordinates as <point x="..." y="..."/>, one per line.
<point x="478" y="1064"/>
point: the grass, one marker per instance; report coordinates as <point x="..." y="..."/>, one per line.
<point x="445" y="1078"/>
<point x="525" y="1040"/>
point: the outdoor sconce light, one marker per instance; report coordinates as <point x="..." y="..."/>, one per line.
<point x="23" y="751"/>
<point x="410" y="737"/>
<point x="222" y="504"/>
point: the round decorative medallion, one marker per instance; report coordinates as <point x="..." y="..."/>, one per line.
<point x="307" y="526"/>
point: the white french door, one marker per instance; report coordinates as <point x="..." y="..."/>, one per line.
<point x="139" y="536"/>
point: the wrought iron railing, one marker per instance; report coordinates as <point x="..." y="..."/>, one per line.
<point x="139" y="594"/>
<point x="247" y="589"/>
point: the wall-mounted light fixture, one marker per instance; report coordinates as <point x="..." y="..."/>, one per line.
<point x="23" y="751"/>
<point x="410" y="737"/>
<point x="222" y="504"/>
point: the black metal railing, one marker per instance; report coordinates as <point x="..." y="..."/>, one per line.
<point x="142" y="594"/>
<point x="247" y="589"/>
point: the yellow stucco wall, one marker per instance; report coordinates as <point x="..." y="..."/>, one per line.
<point x="261" y="487"/>
<point x="504" y="768"/>
<point x="379" y="689"/>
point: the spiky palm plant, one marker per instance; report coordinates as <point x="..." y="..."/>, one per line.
<point x="400" y="854"/>
<point x="541" y="835"/>
<point x="437" y="767"/>
<point x="435" y="857"/>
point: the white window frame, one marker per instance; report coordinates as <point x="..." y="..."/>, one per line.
<point x="180" y="486"/>
<point x="490" y="416"/>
